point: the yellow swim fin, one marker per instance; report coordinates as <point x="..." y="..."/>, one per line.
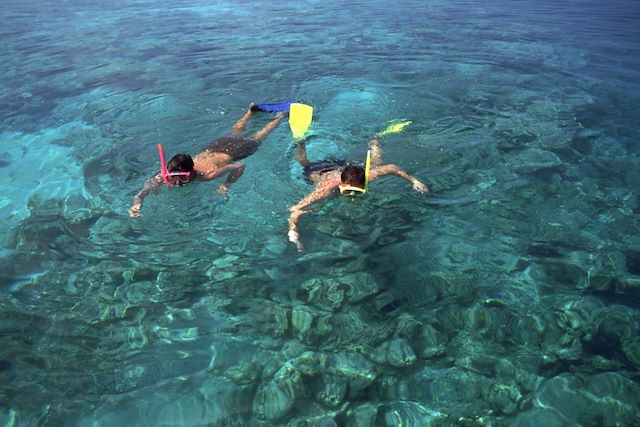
<point x="300" y="116"/>
<point x="395" y="127"/>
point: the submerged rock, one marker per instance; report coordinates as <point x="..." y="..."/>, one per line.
<point x="563" y="394"/>
<point x="244" y="373"/>
<point x="362" y="415"/>
<point x="388" y="302"/>
<point x="355" y="368"/>
<point x="407" y="326"/>
<point x="289" y="379"/>
<point x="533" y="159"/>
<point x="504" y="398"/>
<point x="363" y="285"/>
<point x="613" y="333"/>
<point x="453" y="391"/>
<point x="353" y="330"/>
<point x="396" y="352"/>
<point x="310" y="324"/>
<point x="326" y="294"/>
<point x="628" y="284"/>
<point x="430" y="343"/>
<point x="535" y="417"/>
<point x="615" y="398"/>
<point x="281" y="321"/>
<point x="409" y="414"/>
<point x="331" y="293"/>
<point x="276" y="398"/>
<point x="301" y="319"/>
<point x="489" y="366"/>
<point x="576" y="314"/>
<point x="331" y="390"/>
<point x="632" y="351"/>
<point x="318" y="421"/>
<point x="602" y="399"/>
<point x="271" y="402"/>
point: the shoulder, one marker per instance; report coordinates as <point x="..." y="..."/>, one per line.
<point x="329" y="181"/>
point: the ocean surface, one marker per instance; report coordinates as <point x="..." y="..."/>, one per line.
<point x="509" y="295"/>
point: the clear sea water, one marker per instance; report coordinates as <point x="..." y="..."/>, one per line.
<point x="509" y="295"/>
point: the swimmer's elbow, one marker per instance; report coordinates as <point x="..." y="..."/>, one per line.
<point x="239" y="168"/>
<point x="393" y="169"/>
<point x="296" y="210"/>
<point x="397" y="171"/>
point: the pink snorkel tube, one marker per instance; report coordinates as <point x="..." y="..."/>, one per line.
<point x="165" y="173"/>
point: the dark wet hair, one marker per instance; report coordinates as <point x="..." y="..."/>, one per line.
<point x="180" y="163"/>
<point x="353" y="175"/>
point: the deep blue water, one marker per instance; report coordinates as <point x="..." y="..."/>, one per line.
<point x="508" y="295"/>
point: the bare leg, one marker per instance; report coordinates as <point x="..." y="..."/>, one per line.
<point x="376" y="152"/>
<point x="238" y="127"/>
<point x="301" y="154"/>
<point x="262" y="133"/>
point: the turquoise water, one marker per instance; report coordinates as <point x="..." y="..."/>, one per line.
<point x="509" y="295"/>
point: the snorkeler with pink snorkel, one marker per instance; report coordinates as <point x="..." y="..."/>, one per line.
<point x="218" y="159"/>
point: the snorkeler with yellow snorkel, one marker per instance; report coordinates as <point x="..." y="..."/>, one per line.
<point x="218" y="159"/>
<point x="332" y="177"/>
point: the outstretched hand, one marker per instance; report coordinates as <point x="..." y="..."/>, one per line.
<point x="418" y="186"/>
<point x="223" y="189"/>
<point x="134" y="211"/>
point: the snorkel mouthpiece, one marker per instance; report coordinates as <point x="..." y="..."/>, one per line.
<point x="350" y="190"/>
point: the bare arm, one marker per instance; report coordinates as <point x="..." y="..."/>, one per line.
<point x="395" y="170"/>
<point x="152" y="184"/>
<point x="234" y="170"/>
<point x="297" y="210"/>
<point x="376" y="152"/>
